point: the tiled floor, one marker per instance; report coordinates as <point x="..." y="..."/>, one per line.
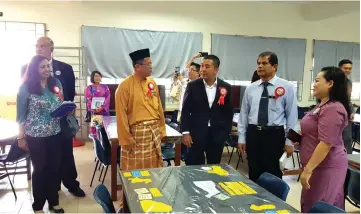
<point x="85" y="164"/>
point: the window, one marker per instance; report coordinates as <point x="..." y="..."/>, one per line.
<point x="15" y="36"/>
<point x="326" y="53"/>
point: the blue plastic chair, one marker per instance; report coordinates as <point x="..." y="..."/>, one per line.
<point x="13" y="157"/>
<point x="102" y="196"/>
<point x="168" y="120"/>
<point x="168" y="151"/>
<point x="355" y="136"/>
<point x="274" y="185"/>
<point x="323" y="207"/>
<point x="352" y="187"/>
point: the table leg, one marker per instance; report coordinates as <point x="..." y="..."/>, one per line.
<point x="28" y="168"/>
<point x="177" y="155"/>
<point x="113" y="170"/>
<point x="2" y="149"/>
<point x="125" y="204"/>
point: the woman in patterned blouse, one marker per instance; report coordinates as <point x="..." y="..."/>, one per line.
<point x="39" y="133"/>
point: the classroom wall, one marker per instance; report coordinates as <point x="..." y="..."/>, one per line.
<point x="268" y="19"/>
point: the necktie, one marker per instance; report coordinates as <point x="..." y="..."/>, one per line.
<point x="263" y="106"/>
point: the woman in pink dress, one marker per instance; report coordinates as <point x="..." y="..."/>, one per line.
<point x="323" y="155"/>
<point x="97" y="90"/>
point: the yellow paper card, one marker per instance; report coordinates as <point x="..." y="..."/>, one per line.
<point x="144" y="173"/>
<point x="283" y="212"/>
<point x="218" y="170"/>
<point x="262" y="207"/>
<point x="149" y="206"/>
<point x="140" y="180"/>
<point x="127" y="174"/>
<point x="155" y="192"/>
<point x="227" y="189"/>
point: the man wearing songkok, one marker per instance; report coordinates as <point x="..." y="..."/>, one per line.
<point x="140" y="117"/>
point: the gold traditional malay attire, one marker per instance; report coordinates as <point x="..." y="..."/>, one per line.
<point x="140" y="121"/>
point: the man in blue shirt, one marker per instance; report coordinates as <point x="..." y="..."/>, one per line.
<point x="268" y="111"/>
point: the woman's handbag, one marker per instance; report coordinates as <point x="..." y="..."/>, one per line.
<point x="88" y="117"/>
<point x="72" y="125"/>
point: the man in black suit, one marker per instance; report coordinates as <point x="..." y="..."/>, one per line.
<point x="63" y="72"/>
<point x="207" y="115"/>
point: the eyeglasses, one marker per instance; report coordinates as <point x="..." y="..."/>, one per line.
<point x="149" y="65"/>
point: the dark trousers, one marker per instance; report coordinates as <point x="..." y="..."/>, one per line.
<point x="45" y="154"/>
<point x="68" y="169"/>
<point x="264" y="149"/>
<point x="212" y="149"/>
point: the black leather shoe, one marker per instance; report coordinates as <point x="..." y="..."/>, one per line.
<point x="61" y="210"/>
<point x="78" y="193"/>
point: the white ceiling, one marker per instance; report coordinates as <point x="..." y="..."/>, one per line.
<point x="319" y="10"/>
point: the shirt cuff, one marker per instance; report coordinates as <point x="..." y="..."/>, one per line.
<point x="185" y="133"/>
<point x="241" y="139"/>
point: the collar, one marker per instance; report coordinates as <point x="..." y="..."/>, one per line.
<point x="271" y="81"/>
<point x="214" y="84"/>
<point x="51" y="61"/>
<point x="138" y="79"/>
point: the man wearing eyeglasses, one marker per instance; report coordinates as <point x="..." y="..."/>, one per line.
<point x="140" y="117"/>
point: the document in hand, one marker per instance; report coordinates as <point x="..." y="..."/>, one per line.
<point x="97" y="102"/>
<point x="283" y="160"/>
<point x="63" y="109"/>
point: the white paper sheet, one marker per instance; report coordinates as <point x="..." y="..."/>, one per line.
<point x="208" y="186"/>
<point x="283" y="160"/>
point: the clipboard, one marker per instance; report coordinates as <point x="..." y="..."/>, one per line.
<point x="63" y="109"/>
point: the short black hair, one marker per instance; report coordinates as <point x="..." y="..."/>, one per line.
<point x="198" y="66"/>
<point x="344" y="61"/>
<point x="93" y="74"/>
<point x="215" y="60"/>
<point x="138" y="62"/>
<point x="273" y="59"/>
